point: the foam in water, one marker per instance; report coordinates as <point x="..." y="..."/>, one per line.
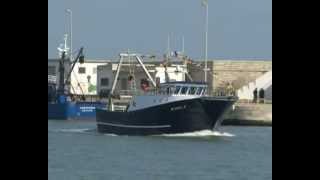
<point x="110" y="134"/>
<point x="202" y="133"/>
<point x="74" y="130"/>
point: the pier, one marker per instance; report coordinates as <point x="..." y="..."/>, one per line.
<point x="249" y="114"/>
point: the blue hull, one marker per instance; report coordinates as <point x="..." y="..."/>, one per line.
<point x="74" y="110"/>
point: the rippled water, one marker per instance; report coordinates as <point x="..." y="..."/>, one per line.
<point x="77" y="152"/>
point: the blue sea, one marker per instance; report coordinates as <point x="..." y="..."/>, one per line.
<point x="77" y="152"/>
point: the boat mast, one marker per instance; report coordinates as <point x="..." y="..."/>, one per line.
<point x="139" y="61"/>
<point x="115" y="80"/>
<point x="63" y="50"/>
<point x="117" y="75"/>
<point x="114" y="83"/>
<point x="145" y="70"/>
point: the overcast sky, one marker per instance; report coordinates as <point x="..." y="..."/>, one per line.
<point x="238" y="29"/>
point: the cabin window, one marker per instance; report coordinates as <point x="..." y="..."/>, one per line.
<point x="165" y="90"/>
<point x="104" y="82"/>
<point x="177" y="89"/>
<point x="199" y="90"/>
<point x="82" y="70"/>
<point x="172" y="89"/>
<point x="52" y="70"/>
<point x="162" y="90"/>
<point x="192" y="90"/>
<point x="204" y="91"/>
<point x="184" y="90"/>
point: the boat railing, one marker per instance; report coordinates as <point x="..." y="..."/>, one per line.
<point x="128" y="93"/>
<point x="222" y="93"/>
<point x="119" y="108"/>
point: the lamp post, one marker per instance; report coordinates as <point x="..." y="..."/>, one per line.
<point x="70" y="12"/>
<point x="205" y="4"/>
<point x="183" y="45"/>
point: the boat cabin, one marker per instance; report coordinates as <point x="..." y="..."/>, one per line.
<point x="183" y="88"/>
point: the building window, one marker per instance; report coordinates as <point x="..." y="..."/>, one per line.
<point x="82" y="70"/>
<point x="52" y="70"/>
<point x="94" y="70"/>
<point x="104" y="82"/>
<point x="124" y="83"/>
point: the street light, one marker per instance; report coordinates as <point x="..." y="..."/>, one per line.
<point x="205" y="4"/>
<point x="183" y="45"/>
<point x="70" y="12"/>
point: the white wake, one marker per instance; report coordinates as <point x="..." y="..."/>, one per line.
<point x="202" y="133"/>
<point x="74" y="130"/>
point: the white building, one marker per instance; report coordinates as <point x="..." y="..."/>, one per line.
<point x="83" y="77"/>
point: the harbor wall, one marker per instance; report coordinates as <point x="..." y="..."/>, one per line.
<point x="237" y="72"/>
<point x="249" y="114"/>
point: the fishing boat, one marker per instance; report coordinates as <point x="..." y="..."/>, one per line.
<point x="164" y="108"/>
<point x="62" y="105"/>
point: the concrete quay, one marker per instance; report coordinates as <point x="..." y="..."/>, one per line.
<point x="249" y="114"/>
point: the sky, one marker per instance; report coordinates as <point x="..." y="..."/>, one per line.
<point x="238" y="29"/>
